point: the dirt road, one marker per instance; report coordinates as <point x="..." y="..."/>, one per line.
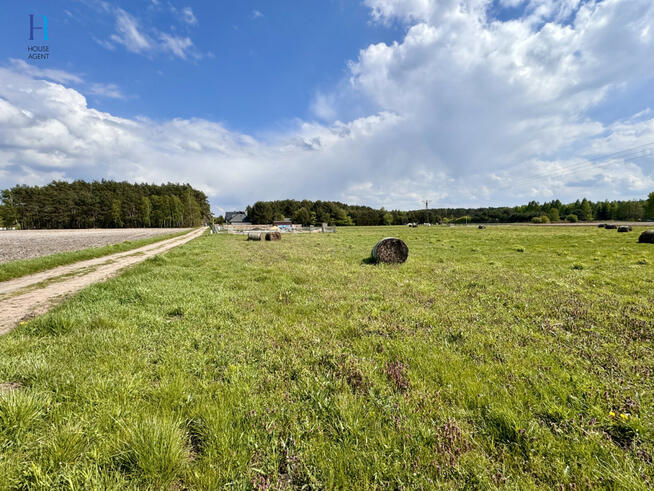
<point x="31" y="295"/>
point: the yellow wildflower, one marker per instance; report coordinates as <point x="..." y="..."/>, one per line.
<point x="611" y="413"/>
<point x="624" y="416"/>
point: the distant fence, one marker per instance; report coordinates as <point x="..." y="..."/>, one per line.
<point x="244" y="229"/>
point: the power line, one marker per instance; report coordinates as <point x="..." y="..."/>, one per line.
<point x="624" y="154"/>
<point x="581" y="165"/>
<point x="530" y="180"/>
<point x="633" y="153"/>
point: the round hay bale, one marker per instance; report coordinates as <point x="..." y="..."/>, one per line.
<point x="273" y="236"/>
<point x="601" y="225"/>
<point x="481" y="227"/>
<point x="254" y="235"/>
<point x="647" y="237"/>
<point x="610" y="226"/>
<point x="624" y="228"/>
<point x="390" y="250"/>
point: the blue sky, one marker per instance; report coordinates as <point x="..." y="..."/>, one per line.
<point x="253" y="64"/>
<point x="376" y="102"/>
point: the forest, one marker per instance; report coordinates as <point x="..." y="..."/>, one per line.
<point x="103" y="204"/>
<point x="309" y="212"/>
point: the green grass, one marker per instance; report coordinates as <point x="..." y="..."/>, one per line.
<point x="22" y="267"/>
<point x="516" y="357"/>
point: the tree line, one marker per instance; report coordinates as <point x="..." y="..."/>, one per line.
<point x="102" y="204"/>
<point x="308" y="212"/>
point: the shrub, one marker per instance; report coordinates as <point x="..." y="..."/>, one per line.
<point x="572" y="218"/>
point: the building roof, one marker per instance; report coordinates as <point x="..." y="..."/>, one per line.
<point x="236" y="217"/>
<point x="230" y="214"/>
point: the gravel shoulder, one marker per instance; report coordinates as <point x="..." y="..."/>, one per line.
<point x="32" y="295"/>
<point x="27" y="244"/>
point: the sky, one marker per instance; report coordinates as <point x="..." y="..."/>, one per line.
<point x="373" y="102"/>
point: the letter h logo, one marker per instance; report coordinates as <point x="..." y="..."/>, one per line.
<point x="44" y="28"/>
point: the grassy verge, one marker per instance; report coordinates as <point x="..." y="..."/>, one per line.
<point x="511" y="356"/>
<point x="22" y="267"/>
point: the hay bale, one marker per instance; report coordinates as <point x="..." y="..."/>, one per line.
<point x="273" y="236"/>
<point x="647" y="237"/>
<point x="254" y="235"/>
<point x="481" y="227"/>
<point x="624" y="228"/>
<point x="610" y="226"/>
<point x="390" y="250"/>
<point x="601" y="225"/>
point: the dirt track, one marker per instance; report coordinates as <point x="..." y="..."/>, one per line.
<point x="26" y="244"/>
<point x="31" y="295"/>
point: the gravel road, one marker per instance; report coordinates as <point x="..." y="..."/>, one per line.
<point x="26" y="244"/>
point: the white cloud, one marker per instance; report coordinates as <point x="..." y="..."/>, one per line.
<point x="405" y="10"/>
<point x="323" y="107"/>
<point x="111" y="91"/>
<point x="48" y="73"/>
<point x="179" y="46"/>
<point x="128" y="33"/>
<point x="150" y="41"/>
<point x="480" y="94"/>
<point x="188" y="16"/>
<point x="256" y="14"/>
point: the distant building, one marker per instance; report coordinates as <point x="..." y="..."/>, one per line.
<point x="236" y="217"/>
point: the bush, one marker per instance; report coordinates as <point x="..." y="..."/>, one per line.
<point x="541" y="219"/>
<point x="572" y="218"/>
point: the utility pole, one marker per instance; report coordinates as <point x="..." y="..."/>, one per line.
<point x="426" y="204"/>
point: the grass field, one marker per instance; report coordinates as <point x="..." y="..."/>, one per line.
<point x="22" y="267"/>
<point x="511" y="356"/>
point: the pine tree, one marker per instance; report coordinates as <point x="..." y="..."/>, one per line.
<point x="649" y="209"/>
<point x="116" y="213"/>
<point x="146" y="210"/>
